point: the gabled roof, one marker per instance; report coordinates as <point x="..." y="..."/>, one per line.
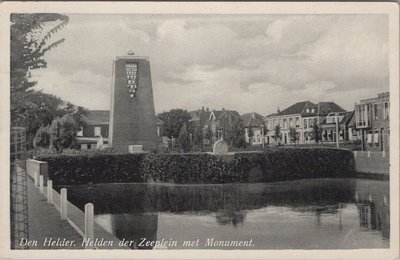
<point x="348" y="116"/>
<point x="297" y="108"/>
<point x="252" y="119"/>
<point x="324" y="108"/>
<point x="200" y="115"/>
<point x="195" y="115"/>
<point x="97" y="117"/>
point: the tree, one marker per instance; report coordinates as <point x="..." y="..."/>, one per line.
<point x="30" y="41"/>
<point x="32" y="109"/>
<point x="197" y="135"/>
<point x="277" y="132"/>
<point x="237" y="135"/>
<point x="183" y="140"/>
<point x="293" y="135"/>
<point x="42" y="138"/>
<point x="316" y="132"/>
<point x="174" y="121"/>
<point x="250" y="134"/>
<point x="63" y="131"/>
<point x="208" y="135"/>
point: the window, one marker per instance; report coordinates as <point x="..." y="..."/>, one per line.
<point x="376" y="137"/>
<point x="313" y="110"/>
<point x="284" y="123"/>
<point x="89" y="146"/>
<point x="376" y="111"/>
<point x="369" y="138"/>
<point x="97" y="131"/>
<point x="290" y="122"/>
<point x="297" y="121"/>
<point x="308" y="110"/>
<point x="305" y="123"/>
<point x="80" y="132"/>
<point x="386" y="110"/>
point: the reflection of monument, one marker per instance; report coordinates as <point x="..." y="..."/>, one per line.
<point x="132" y="116"/>
<point x="136" y="227"/>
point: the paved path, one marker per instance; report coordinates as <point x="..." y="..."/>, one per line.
<point x="45" y="223"/>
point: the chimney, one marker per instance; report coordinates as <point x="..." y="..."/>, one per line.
<point x="223" y="109"/>
<point x="278" y="110"/>
<point x="202" y="108"/>
<point x="208" y="109"/>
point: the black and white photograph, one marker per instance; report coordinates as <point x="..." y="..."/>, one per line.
<point x="200" y="130"/>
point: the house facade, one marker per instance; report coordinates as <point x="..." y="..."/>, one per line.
<point x="254" y="128"/>
<point x="337" y="122"/>
<point x="372" y="122"/>
<point x="299" y="119"/>
<point x="96" y="127"/>
<point x="221" y="122"/>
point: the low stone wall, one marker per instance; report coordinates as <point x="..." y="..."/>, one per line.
<point x="372" y="162"/>
<point x="36" y="168"/>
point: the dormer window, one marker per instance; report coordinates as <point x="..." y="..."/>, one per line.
<point x="308" y="110"/>
<point x="313" y="110"/>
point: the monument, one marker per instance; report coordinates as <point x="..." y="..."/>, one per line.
<point x="220" y="147"/>
<point x="132" y="115"/>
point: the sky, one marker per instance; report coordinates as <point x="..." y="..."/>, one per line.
<point x="247" y="63"/>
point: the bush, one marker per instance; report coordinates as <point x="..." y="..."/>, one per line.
<point x="271" y="165"/>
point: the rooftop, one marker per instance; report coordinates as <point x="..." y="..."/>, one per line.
<point x="252" y="119"/>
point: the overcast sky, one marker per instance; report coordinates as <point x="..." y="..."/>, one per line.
<point x="248" y="63"/>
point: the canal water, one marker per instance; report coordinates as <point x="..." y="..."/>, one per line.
<point x="302" y="214"/>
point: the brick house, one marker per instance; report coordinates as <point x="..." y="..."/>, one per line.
<point x="372" y="122"/>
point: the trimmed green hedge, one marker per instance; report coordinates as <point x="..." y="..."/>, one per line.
<point x="271" y="165"/>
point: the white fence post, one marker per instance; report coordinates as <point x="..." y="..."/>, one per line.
<point x="355" y="154"/>
<point x="89" y="224"/>
<point x="63" y="205"/>
<point x="369" y="154"/>
<point x="36" y="178"/>
<point x="41" y="189"/>
<point x="383" y="153"/>
<point x="50" y="191"/>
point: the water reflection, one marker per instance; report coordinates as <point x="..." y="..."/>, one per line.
<point x="323" y="213"/>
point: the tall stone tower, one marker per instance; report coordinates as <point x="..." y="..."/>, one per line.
<point x="132" y="116"/>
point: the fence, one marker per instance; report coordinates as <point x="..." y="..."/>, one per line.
<point x="82" y="222"/>
<point x="18" y="188"/>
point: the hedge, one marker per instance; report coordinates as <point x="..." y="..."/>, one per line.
<point x="93" y="168"/>
<point x="270" y="165"/>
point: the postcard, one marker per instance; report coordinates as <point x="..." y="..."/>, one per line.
<point x="206" y="130"/>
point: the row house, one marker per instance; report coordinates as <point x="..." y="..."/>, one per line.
<point x="301" y="116"/>
<point x="96" y="129"/>
<point x="372" y="122"/>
